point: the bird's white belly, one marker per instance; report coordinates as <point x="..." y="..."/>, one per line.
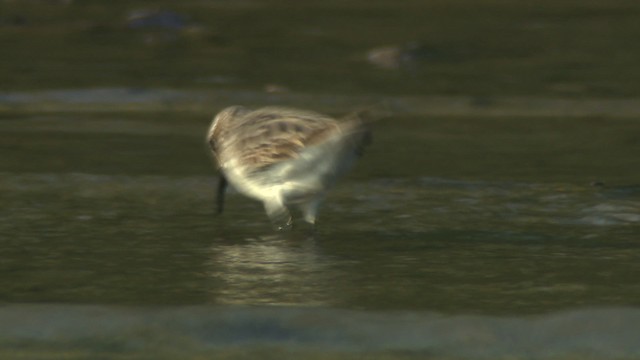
<point x="296" y="180"/>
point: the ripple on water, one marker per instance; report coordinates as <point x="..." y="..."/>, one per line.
<point x="455" y="203"/>
<point x="416" y="204"/>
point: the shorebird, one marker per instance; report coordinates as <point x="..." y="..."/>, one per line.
<point x="284" y="157"/>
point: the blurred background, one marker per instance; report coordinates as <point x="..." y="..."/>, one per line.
<point x="482" y="48"/>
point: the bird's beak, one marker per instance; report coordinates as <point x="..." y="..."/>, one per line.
<point x="222" y="187"/>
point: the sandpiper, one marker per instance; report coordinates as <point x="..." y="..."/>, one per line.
<point x="284" y="157"/>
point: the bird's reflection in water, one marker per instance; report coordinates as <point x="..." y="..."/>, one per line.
<point x="270" y="270"/>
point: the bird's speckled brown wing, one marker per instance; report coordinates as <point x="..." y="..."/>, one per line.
<point x="269" y="135"/>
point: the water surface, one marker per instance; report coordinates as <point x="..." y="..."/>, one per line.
<point x="118" y="210"/>
<point x="497" y="214"/>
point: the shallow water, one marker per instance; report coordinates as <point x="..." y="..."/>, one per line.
<point x="117" y="211"/>
<point x="496" y="216"/>
<point x="419" y="244"/>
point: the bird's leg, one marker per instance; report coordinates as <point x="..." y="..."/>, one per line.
<point x="279" y="214"/>
<point x="310" y="210"/>
<point x="222" y="187"/>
